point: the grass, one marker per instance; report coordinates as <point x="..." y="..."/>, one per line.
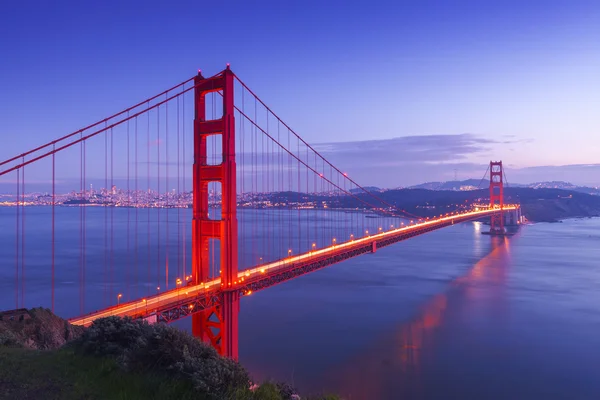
<point x="62" y="374"/>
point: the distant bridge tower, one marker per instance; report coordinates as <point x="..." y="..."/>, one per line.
<point x="217" y="325"/>
<point x="497" y="197"/>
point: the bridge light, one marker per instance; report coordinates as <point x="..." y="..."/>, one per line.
<point x="351" y="236"/>
<point x="119" y="298"/>
<point x="333" y="241"/>
<point x="367" y="232"/>
<point x="249" y="292"/>
<point x="158" y="288"/>
<point x="262" y="270"/>
<point x="191" y="306"/>
<point x="289" y="252"/>
<point x="379" y="229"/>
<point x="247" y="273"/>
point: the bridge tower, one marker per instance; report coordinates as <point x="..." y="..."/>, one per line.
<point x="497" y="197"/>
<point x="218" y="325"/>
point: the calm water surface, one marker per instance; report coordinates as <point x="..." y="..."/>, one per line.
<point x="452" y="314"/>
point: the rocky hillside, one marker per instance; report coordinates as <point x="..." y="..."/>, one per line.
<point x="37" y="328"/>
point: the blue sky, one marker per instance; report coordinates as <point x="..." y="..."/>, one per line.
<point x="511" y="80"/>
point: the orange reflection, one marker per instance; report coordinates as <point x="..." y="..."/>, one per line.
<point x="368" y="376"/>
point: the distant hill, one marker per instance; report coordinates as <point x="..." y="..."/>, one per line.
<point x="473" y="184"/>
<point x="564" y="186"/>
<point x="367" y="188"/>
<point x="539" y="205"/>
<point x="452" y="185"/>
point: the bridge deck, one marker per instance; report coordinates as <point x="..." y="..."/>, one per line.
<point x="183" y="301"/>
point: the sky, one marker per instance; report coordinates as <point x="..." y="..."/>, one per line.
<point x="422" y="90"/>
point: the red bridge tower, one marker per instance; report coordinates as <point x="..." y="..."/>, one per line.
<point x="217" y="325"/>
<point x="497" y="197"/>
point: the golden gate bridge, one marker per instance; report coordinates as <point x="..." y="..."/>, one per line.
<point x="243" y="155"/>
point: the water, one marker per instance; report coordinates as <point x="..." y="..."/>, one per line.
<point x="452" y="314"/>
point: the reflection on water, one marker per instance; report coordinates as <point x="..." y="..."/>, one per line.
<point x="392" y="366"/>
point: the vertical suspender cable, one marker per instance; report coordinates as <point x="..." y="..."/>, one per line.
<point x="53" y="217"/>
<point x="148" y="256"/>
<point x="167" y="192"/>
<point x="178" y="199"/>
<point x="81" y="206"/>
<point x="158" y="198"/>
<point x="128" y="244"/>
<point x="105" y="200"/>
<point x="112" y="218"/>
<point x="23" y="237"/>
<point x="84" y="228"/>
<point x="17" y="240"/>
<point x="137" y="207"/>
<point x="184" y="192"/>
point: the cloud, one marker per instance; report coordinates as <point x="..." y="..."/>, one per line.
<point x="405" y="150"/>
<point x="408" y="160"/>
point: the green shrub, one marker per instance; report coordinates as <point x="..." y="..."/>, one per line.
<point x="8" y="339"/>
<point x="285" y="390"/>
<point x="138" y="346"/>
<point x="267" y="391"/>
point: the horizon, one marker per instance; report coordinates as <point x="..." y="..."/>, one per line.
<point x="65" y="188"/>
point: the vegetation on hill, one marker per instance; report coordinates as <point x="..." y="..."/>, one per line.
<point x="119" y="358"/>
<point x="538" y="205"/>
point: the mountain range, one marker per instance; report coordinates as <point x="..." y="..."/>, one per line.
<point x="473" y="184"/>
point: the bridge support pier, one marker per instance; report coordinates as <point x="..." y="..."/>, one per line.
<point x="218" y="325"/>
